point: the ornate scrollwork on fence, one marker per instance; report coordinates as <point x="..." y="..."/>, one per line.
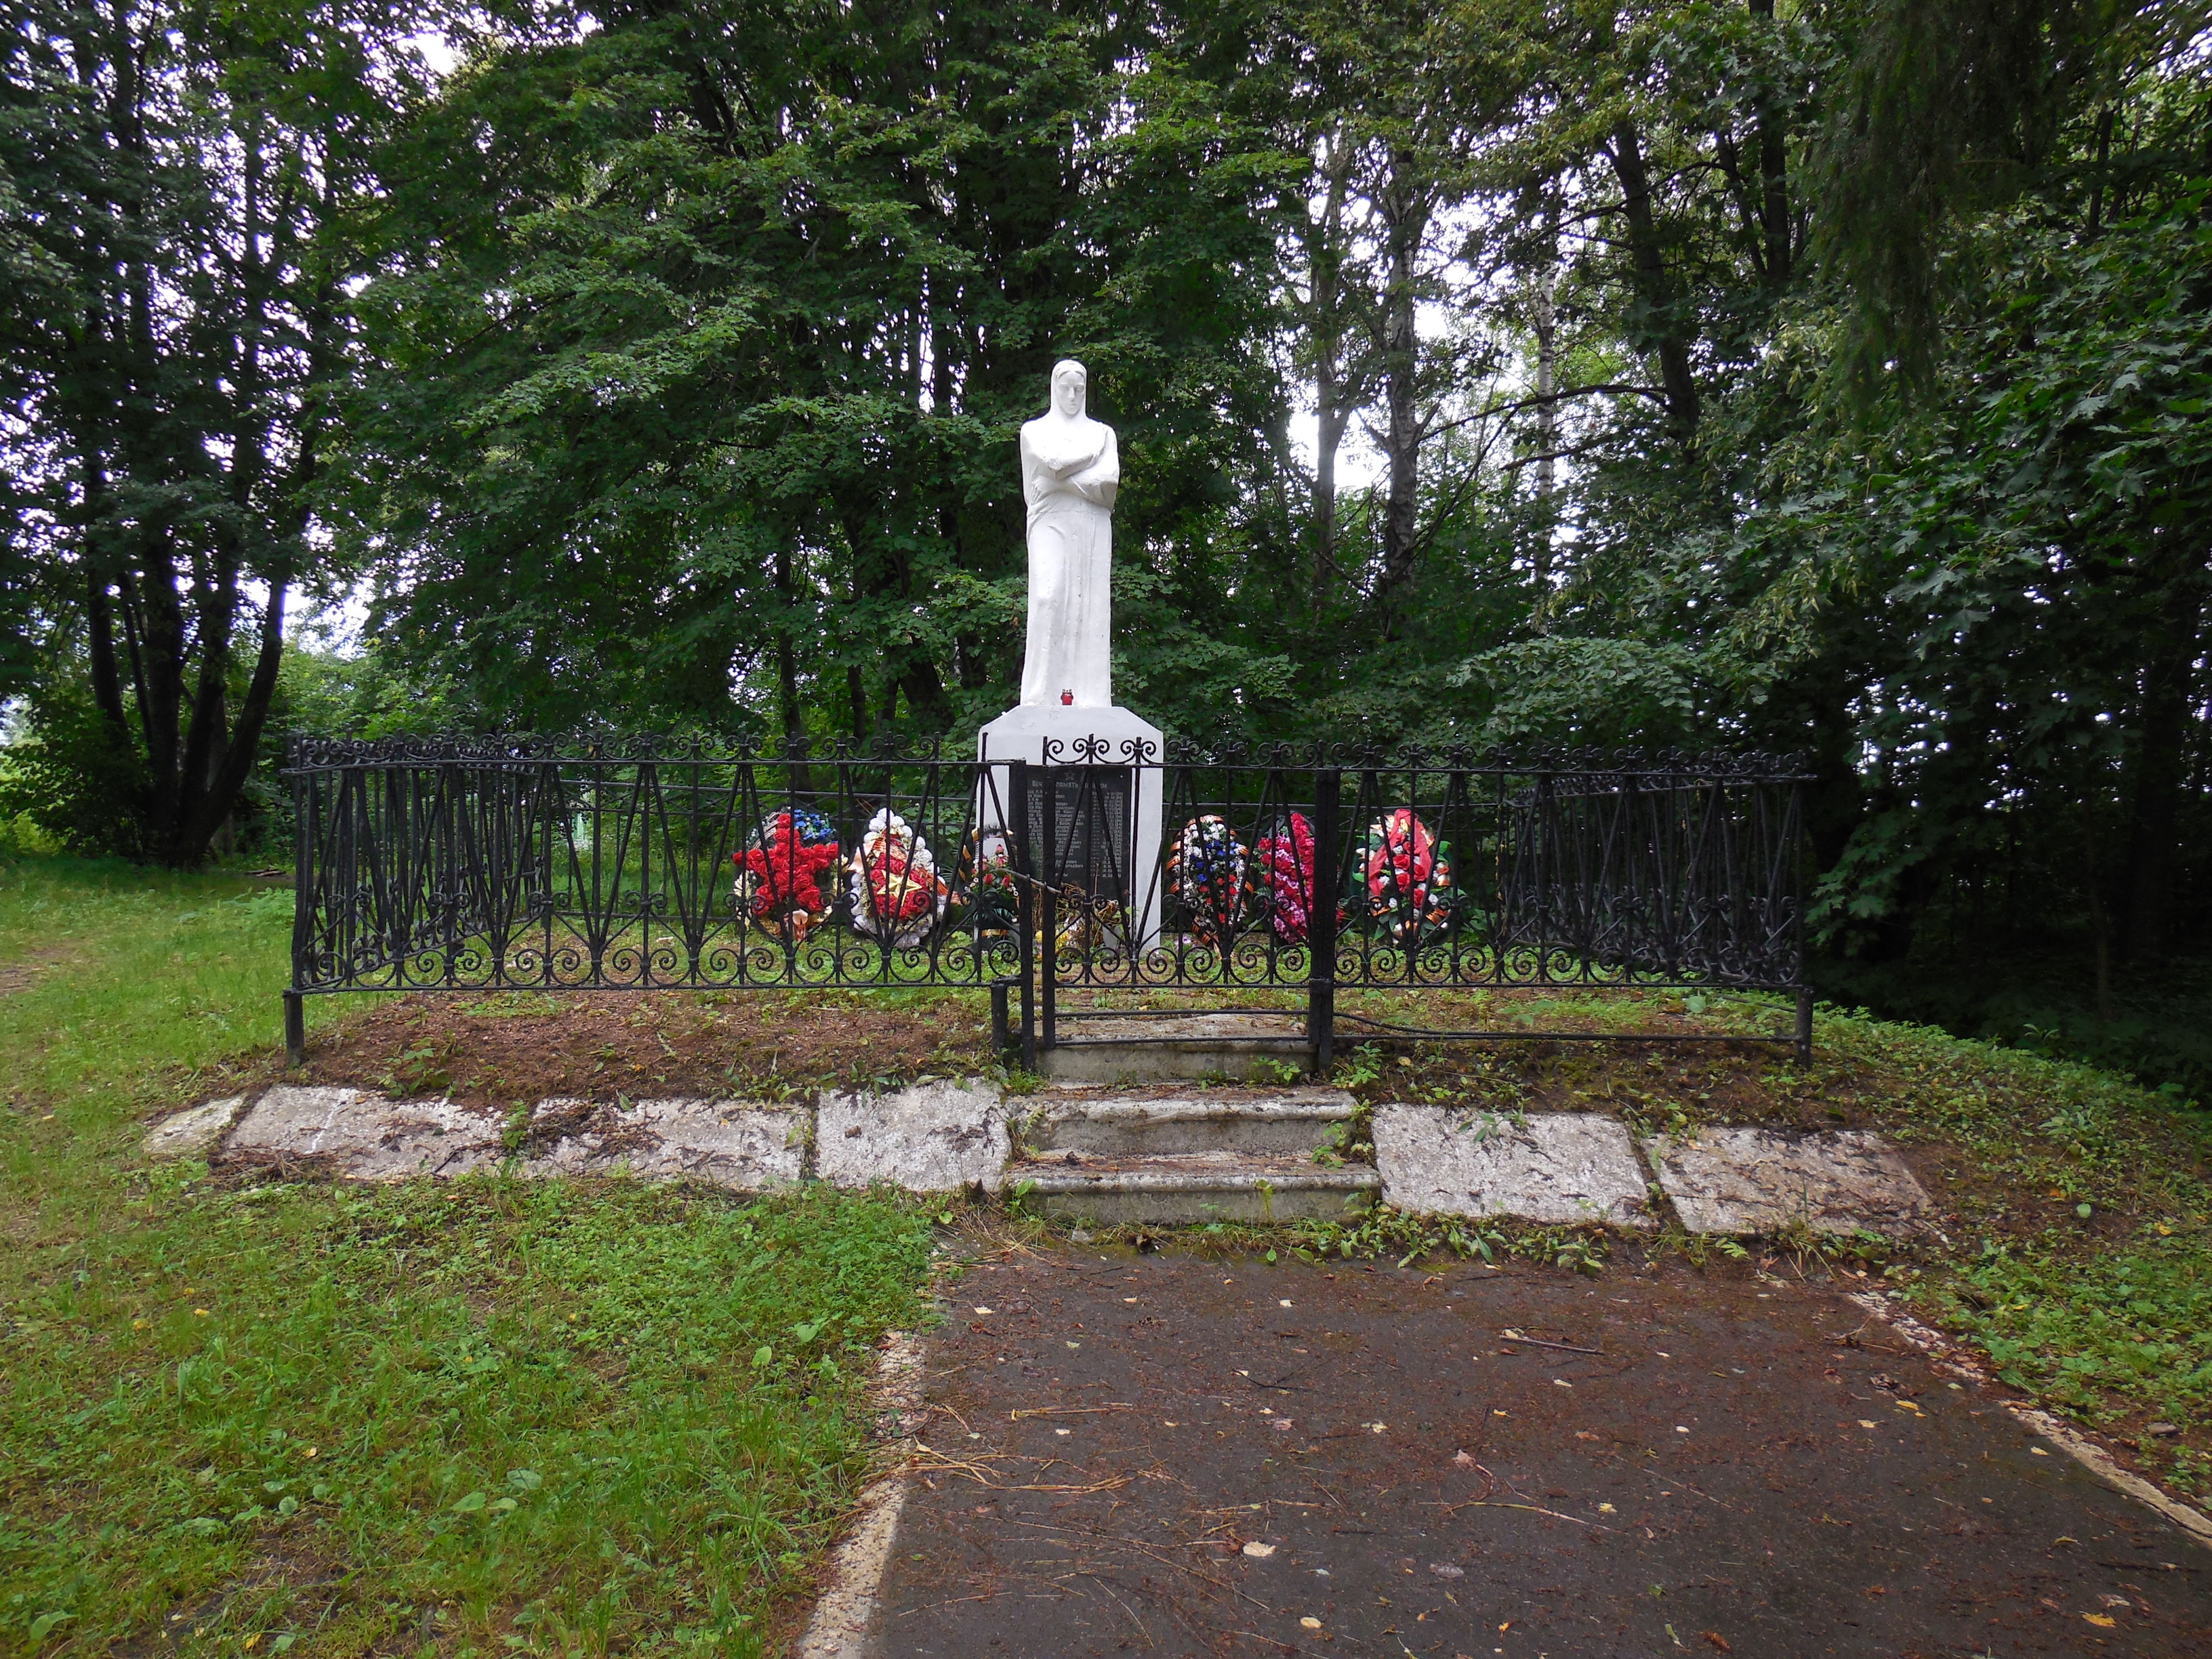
<point x="606" y="860"/>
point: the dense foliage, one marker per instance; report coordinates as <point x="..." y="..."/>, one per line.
<point x="1821" y="376"/>
<point x="176" y="183"/>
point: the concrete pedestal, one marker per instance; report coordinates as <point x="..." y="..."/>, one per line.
<point x="1020" y="734"/>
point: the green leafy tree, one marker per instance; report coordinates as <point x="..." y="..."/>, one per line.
<point x="178" y="184"/>
<point x="701" y="365"/>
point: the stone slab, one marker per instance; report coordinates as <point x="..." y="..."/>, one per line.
<point x="1166" y="1062"/>
<point x="1762" y="1181"/>
<point x="196" y="1132"/>
<point x="744" y="1145"/>
<point x="931" y="1137"/>
<point x="368" y="1136"/>
<point x="1550" y="1166"/>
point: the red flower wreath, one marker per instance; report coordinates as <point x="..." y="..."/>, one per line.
<point x="783" y="872"/>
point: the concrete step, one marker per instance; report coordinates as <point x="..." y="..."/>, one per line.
<point x="1262" y="1122"/>
<point x="1168" y="1047"/>
<point x="1190" y="1186"/>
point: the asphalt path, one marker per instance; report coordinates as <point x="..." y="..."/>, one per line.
<point x="1166" y="1454"/>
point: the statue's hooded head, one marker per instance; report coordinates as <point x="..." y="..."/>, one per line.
<point x="1071" y="386"/>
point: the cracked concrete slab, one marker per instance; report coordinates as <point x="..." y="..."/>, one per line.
<point x="369" y="1137"/>
<point x="930" y="1137"/>
<point x="1546" y="1166"/>
<point x="196" y="1132"/>
<point x="1761" y="1181"/>
<point x="744" y="1145"/>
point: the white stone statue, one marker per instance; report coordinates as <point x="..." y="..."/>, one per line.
<point x="1070" y="471"/>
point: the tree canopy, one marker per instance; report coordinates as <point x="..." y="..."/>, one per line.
<point x="1827" y="377"/>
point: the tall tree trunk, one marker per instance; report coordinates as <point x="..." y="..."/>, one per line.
<point x="242" y="745"/>
<point x="1543" y="318"/>
<point x="1654" y="292"/>
<point x="162" y="644"/>
<point x="1773" y="180"/>
<point x="1546" y="322"/>
<point x="2104" y="159"/>
<point x="1404" y="208"/>
<point x="1333" y="398"/>
<point x="207" y="716"/>
<point x="786" y="659"/>
<point x="99" y="606"/>
<point x="2155" y="792"/>
<point x="1329" y="419"/>
<point x="106" y="683"/>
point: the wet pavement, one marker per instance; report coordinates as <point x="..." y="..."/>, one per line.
<point x="1163" y="1455"/>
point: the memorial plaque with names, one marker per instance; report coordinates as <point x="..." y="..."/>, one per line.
<point x="1079" y="817"/>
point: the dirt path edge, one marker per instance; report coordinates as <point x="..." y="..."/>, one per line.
<point x="2083" y="1450"/>
<point x="855" y="1574"/>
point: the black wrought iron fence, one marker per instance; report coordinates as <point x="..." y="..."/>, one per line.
<point x="501" y="863"/>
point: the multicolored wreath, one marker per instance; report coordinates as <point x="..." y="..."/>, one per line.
<point x="988" y="897"/>
<point x="1285" y="855"/>
<point x="1408" y="875"/>
<point x="896" y="893"/>
<point x="784" y="877"/>
<point x="1205" y="872"/>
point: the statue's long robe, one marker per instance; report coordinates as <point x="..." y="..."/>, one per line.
<point x="1071" y="537"/>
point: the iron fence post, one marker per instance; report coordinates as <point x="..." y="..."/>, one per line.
<point x="1002" y="1041"/>
<point x="1018" y="783"/>
<point x="1321" y="926"/>
<point x="1049" y="966"/>
<point x="1804" y="1025"/>
<point x="295" y="1010"/>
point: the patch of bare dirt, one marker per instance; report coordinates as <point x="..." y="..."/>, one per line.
<point x="495" y="1052"/>
<point x="289" y="1562"/>
<point x="25" y="971"/>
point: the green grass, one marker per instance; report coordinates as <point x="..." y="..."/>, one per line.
<point x="2085" y="1269"/>
<point x="487" y="1417"/>
<point x="458" y="1419"/>
<point x="132" y="970"/>
<point x="2155" y="1022"/>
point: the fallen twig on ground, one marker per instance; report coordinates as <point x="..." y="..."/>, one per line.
<point x="1538" y="1342"/>
<point x="1071" y="1410"/>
